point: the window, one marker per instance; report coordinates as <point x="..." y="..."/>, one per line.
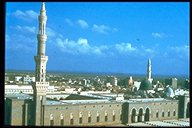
<point x="62" y="122"/>
<point x="157" y="114"/>
<point x="71" y="121"/>
<point x="51" y="119"/>
<point x="89" y="119"/>
<point x="168" y="113"/>
<point x="163" y="114"/>
<point x="113" y="117"/>
<point x="106" y="118"/>
<point x="98" y="118"/>
<point x="80" y="120"/>
<point x="174" y="113"/>
<point x="51" y="122"/>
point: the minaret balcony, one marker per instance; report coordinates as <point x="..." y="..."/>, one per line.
<point x="41" y="58"/>
<point x="42" y="37"/>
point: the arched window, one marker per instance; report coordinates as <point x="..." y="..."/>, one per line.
<point x="133" y="114"/>
<point x="140" y="115"/>
<point x="163" y="114"/>
<point x="157" y="114"/>
<point x="98" y="118"/>
<point x="147" y="114"/>
<point x="51" y="120"/>
<point x="168" y="113"/>
<point x="80" y="118"/>
<point x="113" y="115"/>
<point x="71" y="119"/>
<point x="89" y="117"/>
<point x="62" y="119"/>
<point x="174" y="113"/>
<point x="106" y="116"/>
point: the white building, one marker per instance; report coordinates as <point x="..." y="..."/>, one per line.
<point x="18" y="78"/>
<point x="137" y="84"/>
<point x="25" y="89"/>
<point x="27" y="79"/>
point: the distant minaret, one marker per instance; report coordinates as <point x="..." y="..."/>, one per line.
<point x="40" y="86"/>
<point x="149" y="71"/>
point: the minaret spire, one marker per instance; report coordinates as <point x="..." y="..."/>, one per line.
<point x="43" y="6"/>
<point x="149" y="70"/>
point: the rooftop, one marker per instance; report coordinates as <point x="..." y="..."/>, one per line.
<point x="19" y="96"/>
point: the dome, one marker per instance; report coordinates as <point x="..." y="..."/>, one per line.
<point x="145" y="85"/>
<point x="169" y="92"/>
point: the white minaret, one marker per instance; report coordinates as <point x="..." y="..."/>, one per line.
<point x="40" y="86"/>
<point x="41" y="59"/>
<point x="149" y="71"/>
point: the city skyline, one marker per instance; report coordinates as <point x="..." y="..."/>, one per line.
<point x="101" y="39"/>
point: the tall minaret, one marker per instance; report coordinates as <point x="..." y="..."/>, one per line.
<point x="149" y="71"/>
<point x="40" y="86"/>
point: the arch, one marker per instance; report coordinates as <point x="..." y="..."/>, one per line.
<point x="163" y="114"/>
<point x="98" y="118"/>
<point x="61" y="120"/>
<point x="140" y="115"/>
<point x="147" y="115"/>
<point x="133" y="114"/>
<point x="174" y="112"/>
<point x="147" y="107"/>
<point x="51" y="118"/>
<point x="168" y="113"/>
<point x="132" y="110"/>
<point x="187" y="110"/>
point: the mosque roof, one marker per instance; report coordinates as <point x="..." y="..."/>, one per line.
<point x="80" y="97"/>
<point x="145" y="85"/>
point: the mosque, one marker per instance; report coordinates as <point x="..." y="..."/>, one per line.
<point x="38" y="110"/>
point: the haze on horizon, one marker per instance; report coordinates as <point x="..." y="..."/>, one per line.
<point x="116" y="37"/>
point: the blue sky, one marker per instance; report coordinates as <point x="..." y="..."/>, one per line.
<point x="114" y="37"/>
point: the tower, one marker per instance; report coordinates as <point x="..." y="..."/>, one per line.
<point x="149" y="71"/>
<point x="40" y="85"/>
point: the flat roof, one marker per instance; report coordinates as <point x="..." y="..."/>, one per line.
<point x="148" y="100"/>
<point x="57" y="102"/>
<point x="18" y="96"/>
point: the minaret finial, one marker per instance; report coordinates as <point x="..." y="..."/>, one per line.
<point x="43" y="6"/>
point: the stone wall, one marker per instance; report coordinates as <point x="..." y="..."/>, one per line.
<point x="90" y="114"/>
